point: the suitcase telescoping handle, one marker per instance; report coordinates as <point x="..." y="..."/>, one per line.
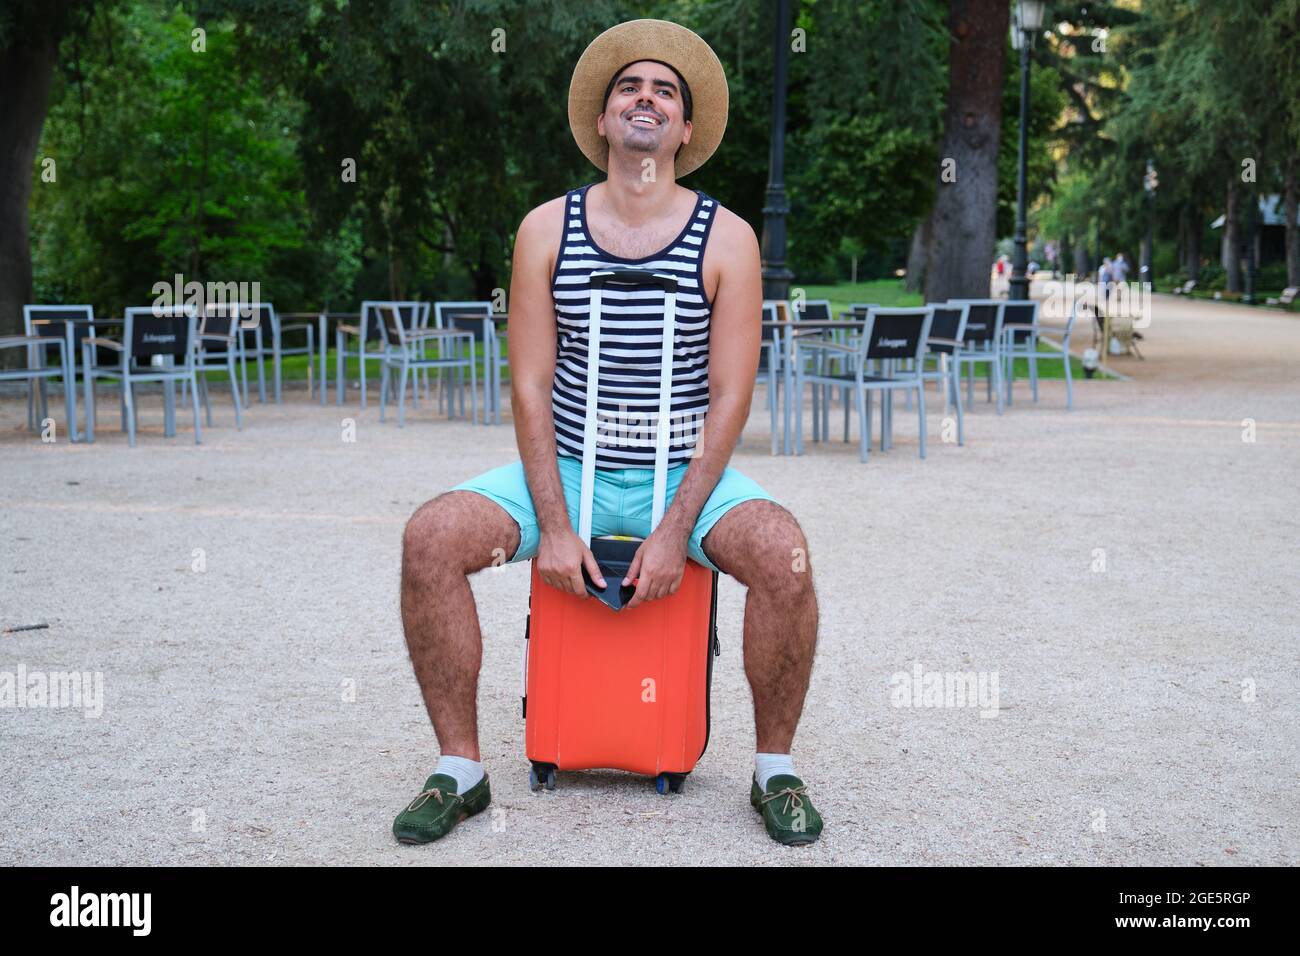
<point x="599" y="280"/>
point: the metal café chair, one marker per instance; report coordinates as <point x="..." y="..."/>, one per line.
<point x="367" y="330"/>
<point x="944" y="344"/>
<point x="218" y="346"/>
<point x="1060" y="348"/>
<point x="45" y="326"/>
<point x="982" y="343"/>
<point x="402" y="354"/>
<point x="769" y="364"/>
<point x="1020" y="340"/>
<point x="892" y="337"/>
<point x="149" y="333"/>
<point x="266" y="341"/>
<point x="816" y="310"/>
<point x="846" y="336"/>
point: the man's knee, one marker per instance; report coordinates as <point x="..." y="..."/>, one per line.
<point x="450" y="533"/>
<point x="767" y="549"/>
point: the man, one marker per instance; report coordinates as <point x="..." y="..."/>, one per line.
<point x="647" y="104"/>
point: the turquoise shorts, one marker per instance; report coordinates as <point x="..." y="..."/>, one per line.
<point x="621" y="504"/>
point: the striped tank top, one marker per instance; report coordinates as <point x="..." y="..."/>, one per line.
<point x="631" y="342"/>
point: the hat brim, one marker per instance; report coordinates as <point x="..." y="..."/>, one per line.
<point x="670" y="43"/>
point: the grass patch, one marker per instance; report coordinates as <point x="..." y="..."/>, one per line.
<point x="884" y="292"/>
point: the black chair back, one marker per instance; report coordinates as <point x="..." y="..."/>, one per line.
<point x="770" y="313"/>
<point x="986" y="315"/>
<point x="897" y="333"/>
<point x="47" y="321"/>
<point x="947" y="323"/>
<point x="223" y="321"/>
<point x="159" y="335"/>
<point x="816" y="311"/>
<point x="220" y="323"/>
<point x="768" y="333"/>
<point x="1024" y="313"/>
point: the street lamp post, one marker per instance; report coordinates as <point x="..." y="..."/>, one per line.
<point x="1029" y="20"/>
<point x="776" y="276"/>
<point x="1252" y="214"/>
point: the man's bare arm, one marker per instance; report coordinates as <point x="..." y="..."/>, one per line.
<point x="532" y="332"/>
<point x="532" y="336"/>
<point x="734" y="337"/>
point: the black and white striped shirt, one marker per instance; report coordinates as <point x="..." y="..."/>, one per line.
<point x="631" y="339"/>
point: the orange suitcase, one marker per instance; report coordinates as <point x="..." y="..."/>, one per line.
<point x="606" y="687"/>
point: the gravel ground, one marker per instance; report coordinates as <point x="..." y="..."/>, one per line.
<point x="1126" y="573"/>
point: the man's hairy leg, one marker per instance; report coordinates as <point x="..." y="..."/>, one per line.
<point x="446" y="540"/>
<point x="760" y="544"/>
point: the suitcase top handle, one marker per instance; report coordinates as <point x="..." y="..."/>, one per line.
<point x="633" y="277"/>
<point x="599" y="280"/>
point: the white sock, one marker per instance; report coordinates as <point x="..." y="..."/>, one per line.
<point x="767" y="766"/>
<point x="466" y="772"/>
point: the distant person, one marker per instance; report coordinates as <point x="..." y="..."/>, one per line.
<point x="1105" y="276"/>
<point x="1120" y="268"/>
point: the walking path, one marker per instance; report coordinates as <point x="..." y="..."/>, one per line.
<point x="1124" y="576"/>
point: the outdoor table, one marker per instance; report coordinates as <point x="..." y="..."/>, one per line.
<point x="323" y="319"/>
<point x="787" y="364"/>
<point x="491" y="353"/>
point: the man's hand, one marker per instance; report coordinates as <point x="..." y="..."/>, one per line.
<point x="658" y="565"/>
<point x="560" y="559"/>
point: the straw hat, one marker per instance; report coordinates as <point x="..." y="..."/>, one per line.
<point x="660" y="40"/>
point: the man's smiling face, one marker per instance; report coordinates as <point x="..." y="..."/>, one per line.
<point x="645" y="111"/>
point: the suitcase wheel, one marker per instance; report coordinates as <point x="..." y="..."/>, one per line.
<point x="670" y="782"/>
<point x="542" y="775"/>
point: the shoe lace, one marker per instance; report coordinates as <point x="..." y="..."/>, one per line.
<point x="423" y="797"/>
<point x="792" y="797"/>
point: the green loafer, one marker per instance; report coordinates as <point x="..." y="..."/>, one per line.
<point x="438" y="808"/>
<point x="787" y="810"/>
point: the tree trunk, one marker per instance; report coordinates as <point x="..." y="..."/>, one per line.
<point x="1195" y="228"/>
<point x="915" y="280"/>
<point x="1081" y="259"/>
<point x="1230" y="254"/>
<point x="26" y="69"/>
<point x="485" y="282"/>
<point x="1292" y="239"/>
<point x="963" y="223"/>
